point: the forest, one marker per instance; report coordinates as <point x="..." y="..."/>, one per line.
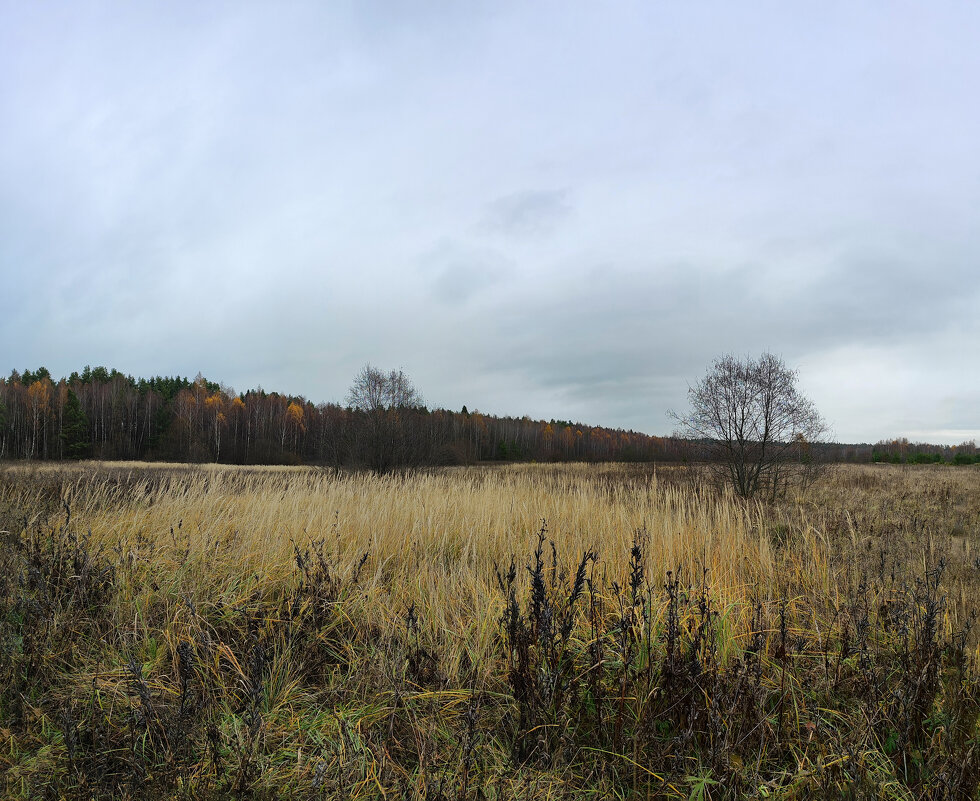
<point x="101" y="413"/>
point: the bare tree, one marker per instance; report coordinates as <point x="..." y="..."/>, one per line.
<point x="374" y="390"/>
<point x="757" y="428"/>
<point x="383" y="401"/>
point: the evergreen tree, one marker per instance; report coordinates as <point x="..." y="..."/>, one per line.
<point x="74" y="430"/>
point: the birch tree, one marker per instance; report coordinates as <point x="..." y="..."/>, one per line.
<point x="754" y="423"/>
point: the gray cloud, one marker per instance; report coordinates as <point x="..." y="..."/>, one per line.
<point x="527" y="214"/>
<point x="458" y="273"/>
<point x="555" y="210"/>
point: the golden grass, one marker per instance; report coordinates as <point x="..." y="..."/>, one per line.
<point x="433" y="537"/>
<point x="185" y="535"/>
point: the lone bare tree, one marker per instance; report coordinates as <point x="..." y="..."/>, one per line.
<point x="756" y="426"/>
<point x="382" y="401"/>
<point x="374" y="390"/>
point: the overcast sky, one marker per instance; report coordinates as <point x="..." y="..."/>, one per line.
<point x="556" y="209"/>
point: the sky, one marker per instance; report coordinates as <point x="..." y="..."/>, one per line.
<point x="559" y="209"/>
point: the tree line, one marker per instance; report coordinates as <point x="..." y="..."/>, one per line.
<point x="901" y="451"/>
<point x="104" y="414"/>
<point x="101" y="413"/>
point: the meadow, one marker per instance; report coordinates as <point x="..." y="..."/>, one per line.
<point x="520" y="631"/>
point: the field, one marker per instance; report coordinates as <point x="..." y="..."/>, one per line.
<point x="534" y="631"/>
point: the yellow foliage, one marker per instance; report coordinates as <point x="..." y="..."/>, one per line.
<point x="39" y="394"/>
<point x="294" y="413"/>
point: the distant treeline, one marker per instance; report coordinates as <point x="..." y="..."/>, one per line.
<point x="901" y="451"/>
<point x="104" y="414"/>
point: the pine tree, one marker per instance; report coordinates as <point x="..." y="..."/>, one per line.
<point x="74" y="430"/>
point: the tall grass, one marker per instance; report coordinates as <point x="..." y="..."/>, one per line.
<point x="496" y="632"/>
<point x="434" y="537"/>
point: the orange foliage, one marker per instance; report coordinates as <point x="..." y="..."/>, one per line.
<point x="294" y="413"/>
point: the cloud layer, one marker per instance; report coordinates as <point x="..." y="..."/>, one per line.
<point x="559" y="210"/>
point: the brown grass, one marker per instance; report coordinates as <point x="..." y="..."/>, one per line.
<point x="434" y="537"/>
<point x="190" y="544"/>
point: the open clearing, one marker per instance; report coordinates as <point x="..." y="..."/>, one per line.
<point x="214" y="631"/>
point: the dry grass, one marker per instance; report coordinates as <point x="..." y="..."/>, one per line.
<point x="209" y="602"/>
<point x="434" y="537"/>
